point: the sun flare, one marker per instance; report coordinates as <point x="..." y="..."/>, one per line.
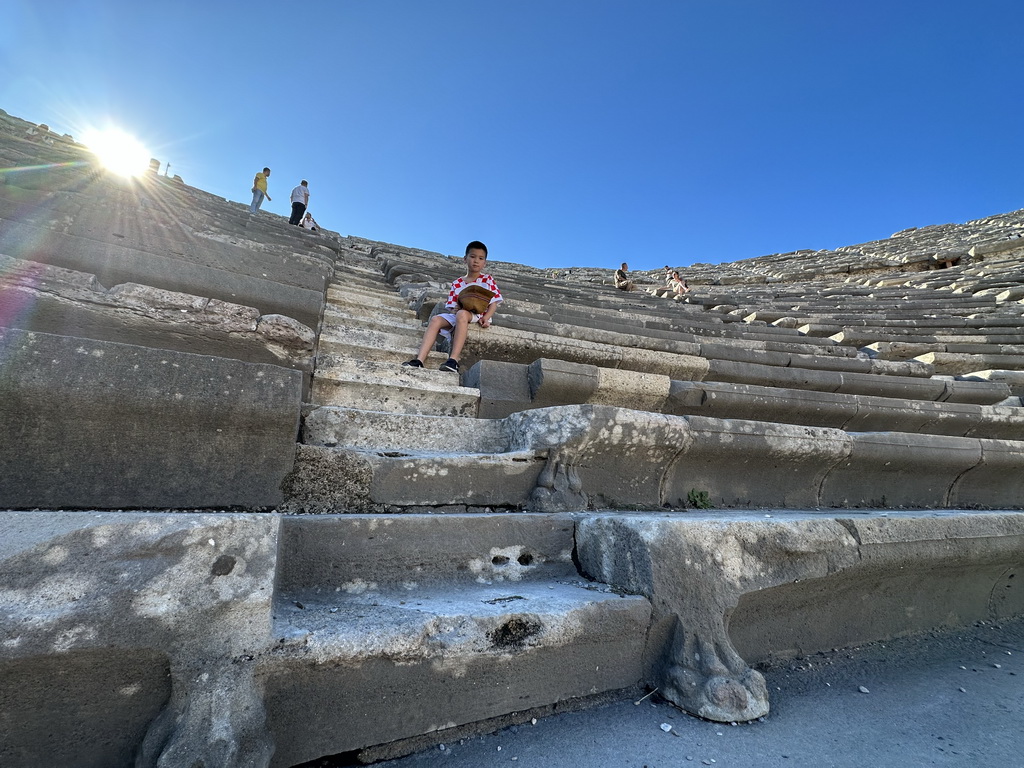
<point x="120" y="152"/>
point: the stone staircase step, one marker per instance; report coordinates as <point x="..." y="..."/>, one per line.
<point x="367" y="296"/>
<point x="958" y="363"/>
<point x="402" y="341"/>
<point x="385" y="386"/>
<point x="406" y="625"/>
<point x="395" y="351"/>
<point x="364" y="430"/>
<point x="343" y="318"/>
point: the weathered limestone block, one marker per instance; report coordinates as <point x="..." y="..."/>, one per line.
<point x="393" y="626"/>
<point x="633" y="389"/>
<point x="914" y="572"/>
<point x="747" y="401"/>
<point x="992" y="247"/>
<point x="504" y="387"/>
<point x="694" y="573"/>
<point x="524" y="347"/>
<point x="996" y="480"/>
<point x="40" y="297"/>
<point x="894" y="469"/>
<point x="796" y="583"/>
<point x="349" y="428"/>
<point x="113" y="426"/>
<point x="1014" y="380"/>
<point x="955" y="364"/>
<point x="589" y="456"/>
<point x="557" y="382"/>
<point x="386" y="386"/>
<point x="187" y="595"/>
<point x="509" y="387"/>
<point x="852" y="413"/>
<point x="114" y="264"/>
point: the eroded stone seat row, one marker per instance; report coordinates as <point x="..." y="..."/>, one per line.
<point x="593" y="456"/>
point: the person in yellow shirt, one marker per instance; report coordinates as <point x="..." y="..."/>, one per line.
<point x="259" y="191"/>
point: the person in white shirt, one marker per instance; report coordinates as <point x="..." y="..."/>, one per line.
<point x="300" y="199"/>
<point x="310" y="223"/>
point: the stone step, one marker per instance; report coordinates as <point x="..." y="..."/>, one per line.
<point x="344" y="317"/>
<point x="898" y="350"/>
<point x="293" y="289"/>
<point x="852" y="413"/>
<point x="372" y="344"/>
<point x="403" y="625"/>
<point x="750" y="347"/>
<point x="401" y="340"/>
<point x="863" y="336"/>
<point x="594" y="456"/>
<point x="386" y="386"/>
<point x="362" y="430"/>
<point x="506" y="388"/>
<point x="956" y="363"/>
<point x="366" y="297"/>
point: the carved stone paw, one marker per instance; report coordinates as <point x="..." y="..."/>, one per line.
<point x="218" y="719"/>
<point x="559" y="488"/>
<point x="720" y="698"/>
<point x="710" y="680"/>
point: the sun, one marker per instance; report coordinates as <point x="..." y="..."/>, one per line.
<point x="119" y="151"/>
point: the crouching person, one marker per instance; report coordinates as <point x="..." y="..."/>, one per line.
<point x="473" y="298"/>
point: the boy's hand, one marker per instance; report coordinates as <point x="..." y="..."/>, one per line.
<point x="484" y="322"/>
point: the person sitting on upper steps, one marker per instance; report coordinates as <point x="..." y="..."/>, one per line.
<point x="456" y="322"/>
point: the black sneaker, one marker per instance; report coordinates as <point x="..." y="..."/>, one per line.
<point x="451" y="364"/>
<point x="414" y="363"/>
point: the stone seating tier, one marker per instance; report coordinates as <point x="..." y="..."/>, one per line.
<point x="308" y="612"/>
<point x="188" y="638"/>
<point x="101" y="425"/>
<point x="595" y="456"/>
<point x="295" y="290"/>
<point x="506" y="388"/>
<point x="63" y="299"/>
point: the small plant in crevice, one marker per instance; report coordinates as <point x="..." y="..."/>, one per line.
<point x="698" y="499"/>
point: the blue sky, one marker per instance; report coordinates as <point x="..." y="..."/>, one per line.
<point x="576" y="133"/>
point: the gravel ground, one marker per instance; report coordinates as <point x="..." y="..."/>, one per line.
<point x="938" y="699"/>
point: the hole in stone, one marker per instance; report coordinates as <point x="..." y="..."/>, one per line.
<point x="525" y="559"/>
<point x="513" y="632"/>
<point x="499" y="560"/>
<point x="223" y="565"/>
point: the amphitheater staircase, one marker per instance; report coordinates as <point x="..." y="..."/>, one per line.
<point x="572" y="407"/>
<point x="619" y="492"/>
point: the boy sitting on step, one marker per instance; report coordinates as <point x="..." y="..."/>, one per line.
<point x="457" y="317"/>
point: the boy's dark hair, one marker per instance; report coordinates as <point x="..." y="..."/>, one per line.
<point x="476" y="244"/>
<point x="266" y="170"/>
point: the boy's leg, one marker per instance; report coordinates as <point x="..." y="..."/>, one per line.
<point x="460" y="333"/>
<point x="434" y="327"/>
